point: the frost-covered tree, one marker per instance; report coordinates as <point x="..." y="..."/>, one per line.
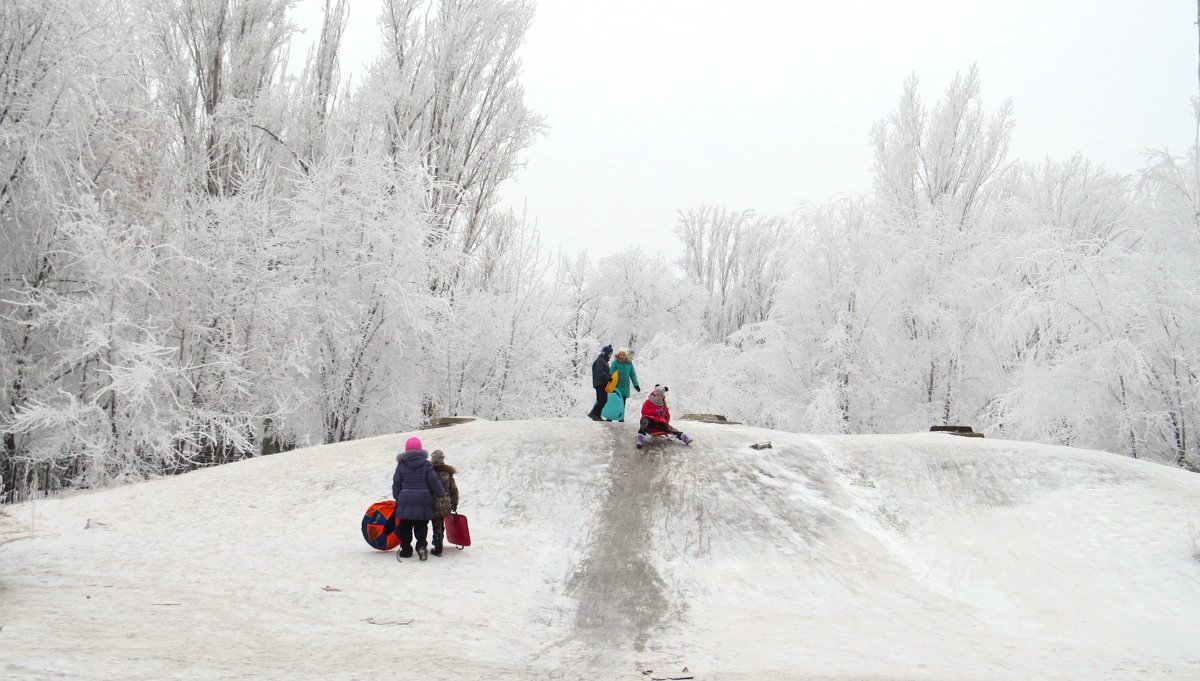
<point x="941" y="160"/>
<point x="580" y="291"/>
<point x="69" y="119"/>
<point x="1092" y="328"/>
<point x="1048" y="321"/>
<point x="938" y="191"/>
<point x="736" y="258"/>
<point x="449" y="78"/>
<point x="643" y="296"/>
<point x="1170" y="311"/>
<point x="214" y="59"/>
<point x="207" y="260"/>
<point x="356" y="252"/>
<point x="445" y="94"/>
<point x="832" y="316"/>
<point x="218" y="66"/>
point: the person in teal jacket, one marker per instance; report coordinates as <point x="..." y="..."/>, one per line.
<point x="622" y="366"/>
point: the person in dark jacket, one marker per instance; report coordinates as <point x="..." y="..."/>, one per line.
<point x="414" y="486"/>
<point x="601" y="375"/>
<point x="443" y="506"/>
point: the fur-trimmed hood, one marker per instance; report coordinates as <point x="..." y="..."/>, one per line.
<point x="412" y="456"/>
<point x="444" y="468"/>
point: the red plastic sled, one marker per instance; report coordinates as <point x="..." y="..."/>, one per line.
<point x="457" y="532"/>
<point x="655" y="434"/>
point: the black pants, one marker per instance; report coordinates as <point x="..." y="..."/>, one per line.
<point x="407" y="528"/>
<point x="601" y="398"/>
<point x="648" y="424"/>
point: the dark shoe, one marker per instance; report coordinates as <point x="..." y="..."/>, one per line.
<point x="593" y="417"/>
<point x="404" y="552"/>
<point x="436" y="552"/>
<point x="423" y="553"/>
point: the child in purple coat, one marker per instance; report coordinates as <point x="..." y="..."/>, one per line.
<point x="414" y="486"/>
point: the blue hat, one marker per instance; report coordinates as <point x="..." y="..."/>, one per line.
<point x="606" y="350"/>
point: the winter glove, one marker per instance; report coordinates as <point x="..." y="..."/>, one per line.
<point x="637" y="387"/>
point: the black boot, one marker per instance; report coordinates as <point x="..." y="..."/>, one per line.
<point x="437" y="543"/>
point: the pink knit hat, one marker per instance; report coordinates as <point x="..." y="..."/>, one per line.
<point x="413" y="443"/>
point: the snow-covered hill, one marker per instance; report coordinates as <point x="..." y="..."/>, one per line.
<point x="922" y="556"/>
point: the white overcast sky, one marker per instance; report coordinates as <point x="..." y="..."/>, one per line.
<point x="653" y="106"/>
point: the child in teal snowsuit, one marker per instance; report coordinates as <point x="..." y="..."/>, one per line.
<point x="622" y="367"/>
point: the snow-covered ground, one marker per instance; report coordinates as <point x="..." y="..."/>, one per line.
<point x="923" y="556"/>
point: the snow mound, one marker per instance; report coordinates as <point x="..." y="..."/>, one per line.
<point x="923" y="556"/>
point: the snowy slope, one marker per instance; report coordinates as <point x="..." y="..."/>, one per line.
<point x="922" y="556"/>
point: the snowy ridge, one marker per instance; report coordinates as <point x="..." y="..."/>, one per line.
<point x="922" y="556"/>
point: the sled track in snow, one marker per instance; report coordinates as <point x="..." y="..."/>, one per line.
<point x="620" y="594"/>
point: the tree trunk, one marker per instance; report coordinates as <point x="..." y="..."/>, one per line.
<point x="8" y="469"/>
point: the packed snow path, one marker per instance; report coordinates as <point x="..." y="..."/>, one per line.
<point x="619" y="591"/>
<point x="922" y="556"/>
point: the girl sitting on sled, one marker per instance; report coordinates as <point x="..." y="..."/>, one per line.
<point x="656" y="418"/>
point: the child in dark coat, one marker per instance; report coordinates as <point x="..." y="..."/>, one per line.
<point x="443" y="506"/>
<point x="414" y="485"/>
